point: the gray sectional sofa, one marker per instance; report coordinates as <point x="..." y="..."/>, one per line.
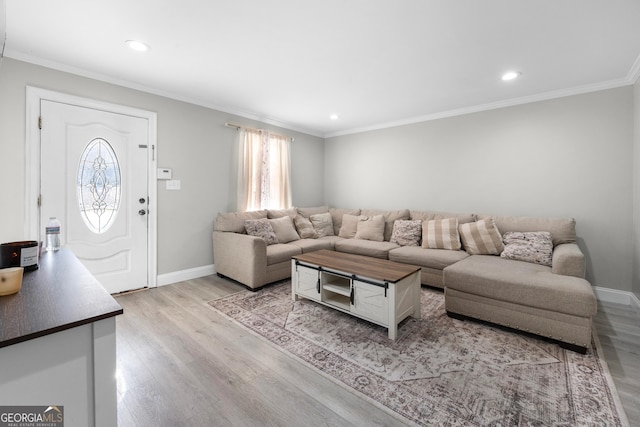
<point x="549" y="298"/>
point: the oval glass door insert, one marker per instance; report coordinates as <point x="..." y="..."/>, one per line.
<point x="99" y="185"/>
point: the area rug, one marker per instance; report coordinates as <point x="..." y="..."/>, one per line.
<point x="439" y="371"/>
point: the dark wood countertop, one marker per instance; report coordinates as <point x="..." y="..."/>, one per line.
<point x="60" y="295"/>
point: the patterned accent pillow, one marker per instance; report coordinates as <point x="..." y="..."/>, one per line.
<point x="532" y="246"/>
<point x="406" y="232"/>
<point x="323" y="224"/>
<point x="261" y="228"/>
<point x="441" y="234"/>
<point x="304" y="227"/>
<point x="481" y="237"/>
<point x="371" y="228"/>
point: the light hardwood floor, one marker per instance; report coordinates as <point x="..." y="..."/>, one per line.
<point x="180" y="363"/>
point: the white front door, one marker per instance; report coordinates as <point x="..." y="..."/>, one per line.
<point x="94" y="179"/>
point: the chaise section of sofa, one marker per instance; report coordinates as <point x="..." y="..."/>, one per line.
<point x="552" y="301"/>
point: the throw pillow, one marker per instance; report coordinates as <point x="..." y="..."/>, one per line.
<point x="304" y="227"/>
<point x="323" y="224"/>
<point x="441" y="234"/>
<point x="336" y="217"/>
<point x="532" y="246"/>
<point x="307" y="212"/>
<point x="261" y="228"/>
<point x="371" y="228"/>
<point x="349" y="226"/>
<point x="284" y="229"/>
<point x="407" y="232"/>
<point x="234" y="221"/>
<point x="481" y="237"/>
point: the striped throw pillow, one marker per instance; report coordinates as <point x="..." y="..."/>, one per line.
<point x="481" y="238"/>
<point x="441" y="234"/>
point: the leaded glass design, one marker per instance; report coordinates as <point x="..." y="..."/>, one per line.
<point x="99" y="185"/>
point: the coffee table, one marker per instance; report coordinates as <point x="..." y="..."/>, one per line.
<point x="378" y="290"/>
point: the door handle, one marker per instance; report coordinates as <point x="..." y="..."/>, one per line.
<point x="142" y="212"/>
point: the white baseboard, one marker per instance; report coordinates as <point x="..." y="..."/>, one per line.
<point x="635" y="302"/>
<point x="616" y="296"/>
<point x="182" y="275"/>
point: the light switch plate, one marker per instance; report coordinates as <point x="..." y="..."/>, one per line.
<point x="173" y="184"/>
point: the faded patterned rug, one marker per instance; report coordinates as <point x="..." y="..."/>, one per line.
<point x="439" y="371"/>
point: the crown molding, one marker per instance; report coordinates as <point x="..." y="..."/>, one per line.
<point x="19" y="56"/>
<point x="634" y="72"/>
<point x="491" y="106"/>
<point x="632" y="77"/>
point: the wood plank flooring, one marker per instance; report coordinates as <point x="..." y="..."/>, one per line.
<point x="180" y="363"/>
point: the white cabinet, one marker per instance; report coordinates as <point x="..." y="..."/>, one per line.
<point x="370" y="302"/>
<point x="305" y="282"/>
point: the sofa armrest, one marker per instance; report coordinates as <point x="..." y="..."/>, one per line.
<point x="568" y="260"/>
<point x="240" y="257"/>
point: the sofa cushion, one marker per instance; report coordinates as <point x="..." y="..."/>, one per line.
<point x="338" y="214"/>
<point x="563" y="230"/>
<point x="261" y="228"/>
<point x="441" y="234"/>
<point x="389" y="218"/>
<point x="530" y="246"/>
<point x="349" y="226"/>
<point x="429" y="215"/>
<point x="521" y="283"/>
<point x="481" y="237"/>
<point x="406" y="232"/>
<point x="370" y="228"/>
<point x="307" y="212"/>
<point x="323" y="224"/>
<point x="234" y="221"/>
<point x="304" y="227"/>
<point x="310" y="245"/>
<point x="279" y="213"/>
<point x="281" y="253"/>
<point x="284" y="229"/>
<point x="365" y="247"/>
<point x="431" y="258"/>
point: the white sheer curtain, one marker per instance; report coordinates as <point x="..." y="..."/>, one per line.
<point x="264" y="170"/>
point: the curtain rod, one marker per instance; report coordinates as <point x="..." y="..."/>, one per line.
<point x="237" y="126"/>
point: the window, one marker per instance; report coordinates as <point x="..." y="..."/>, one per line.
<point x="98" y="185"/>
<point x="264" y="171"/>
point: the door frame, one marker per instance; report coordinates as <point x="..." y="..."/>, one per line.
<point x="34" y="96"/>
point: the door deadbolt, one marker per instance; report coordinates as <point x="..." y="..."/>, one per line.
<point x="142" y="200"/>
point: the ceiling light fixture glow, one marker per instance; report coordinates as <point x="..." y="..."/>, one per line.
<point x="334" y="117"/>
<point x="138" y="45"/>
<point x="510" y="75"/>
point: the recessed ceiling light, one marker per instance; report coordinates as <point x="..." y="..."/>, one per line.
<point x="138" y="45"/>
<point x="334" y="117"/>
<point x="510" y="75"/>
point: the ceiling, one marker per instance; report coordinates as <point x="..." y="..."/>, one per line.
<point x="375" y="63"/>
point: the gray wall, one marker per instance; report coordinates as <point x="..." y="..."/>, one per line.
<point x="570" y="156"/>
<point x="191" y="139"/>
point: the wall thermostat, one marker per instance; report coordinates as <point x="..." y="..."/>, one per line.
<point x="164" y="173"/>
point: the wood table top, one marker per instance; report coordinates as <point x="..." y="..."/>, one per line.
<point x="61" y="294"/>
<point x="360" y="265"/>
